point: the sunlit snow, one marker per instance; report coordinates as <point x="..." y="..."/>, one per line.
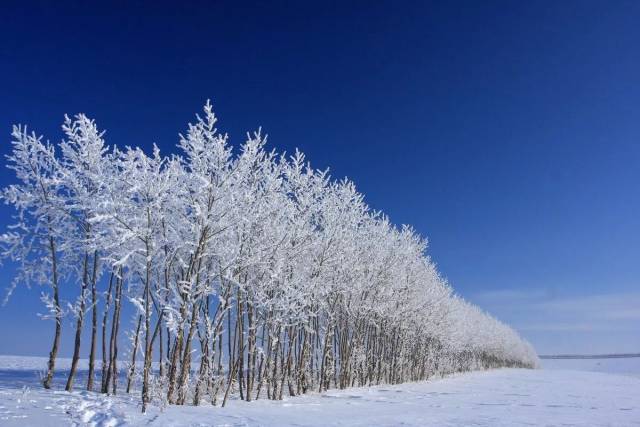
<point x="504" y="397"/>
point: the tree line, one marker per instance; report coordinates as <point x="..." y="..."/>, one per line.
<point x="252" y="274"/>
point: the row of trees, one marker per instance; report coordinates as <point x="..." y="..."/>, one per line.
<point x="251" y="273"/>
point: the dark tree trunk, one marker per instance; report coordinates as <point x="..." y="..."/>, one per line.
<point x="79" y="322"/>
<point x="56" y="300"/>
<point x="107" y="305"/>
<point x="132" y="368"/>
<point x="94" y="322"/>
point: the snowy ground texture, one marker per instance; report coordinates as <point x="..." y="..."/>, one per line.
<point x="506" y="397"/>
<point x="628" y="366"/>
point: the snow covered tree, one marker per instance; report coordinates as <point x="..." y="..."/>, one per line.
<point x="37" y="240"/>
<point x="250" y="272"/>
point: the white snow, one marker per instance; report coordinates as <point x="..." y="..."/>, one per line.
<point x="505" y="397"/>
<point x="623" y="366"/>
<point x="36" y="363"/>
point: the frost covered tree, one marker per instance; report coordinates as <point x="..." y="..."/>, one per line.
<point x="250" y="273"/>
<point x="37" y="239"/>
<point x="82" y="168"/>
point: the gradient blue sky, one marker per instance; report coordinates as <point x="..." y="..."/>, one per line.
<point x="506" y="132"/>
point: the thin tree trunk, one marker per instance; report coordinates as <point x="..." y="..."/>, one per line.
<point x="240" y="335"/>
<point x="107" y="305"/>
<point x="175" y="351"/>
<point x="56" y="301"/>
<point x="112" y="370"/>
<point x="186" y="357"/>
<point x="160" y="351"/>
<point x="251" y="353"/>
<point x="204" y="374"/>
<point x="94" y="322"/>
<point x="79" y="322"/>
<point x="132" y="368"/>
<point x="147" y="336"/>
<point x="263" y="363"/>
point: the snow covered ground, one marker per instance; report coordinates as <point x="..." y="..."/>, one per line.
<point x="628" y="366"/>
<point x="506" y="397"/>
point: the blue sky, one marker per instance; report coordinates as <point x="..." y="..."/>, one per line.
<point x="506" y="132"/>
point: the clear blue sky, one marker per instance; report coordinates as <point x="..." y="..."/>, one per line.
<point x="506" y="132"/>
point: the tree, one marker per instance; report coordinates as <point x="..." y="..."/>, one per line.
<point x="37" y="239"/>
<point x="268" y="275"/>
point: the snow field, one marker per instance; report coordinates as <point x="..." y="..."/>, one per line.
<point x="503" y="397"/>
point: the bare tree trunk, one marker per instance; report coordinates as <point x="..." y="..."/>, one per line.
<point x="112" y="370"/>
<point x="79" y="322"/>
<point x="274" y="372"/>
<point x="168" y="362"/>
<point x="94" y="322"/>
<point x="203" y="372"/>
<point x="147" y="336"/>
<point x="328" y="338"/>
<point x="160" y="351"/>
<point x="263" y="363"/>
<point x="231" y="375"/>
<point x="107" y="305"/>
<point x="287" y="370"/>
<point x="217" y="337"/>
<point x="56" y="300"/>
<point x="219" y="380"/>
<point x="240" y="335"/>
<point x="175" y="351"/>
<point x="132" y="368"/>
<point x="186" y="356"/>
